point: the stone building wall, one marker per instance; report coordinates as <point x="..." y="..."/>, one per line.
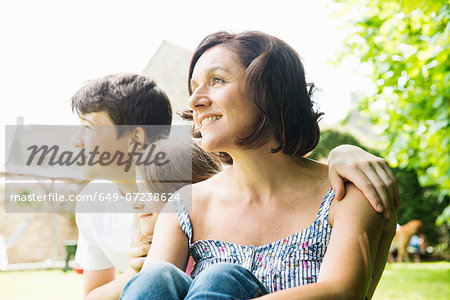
<point x="36" y="242"/>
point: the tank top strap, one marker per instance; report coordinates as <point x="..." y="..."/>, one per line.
<point x="324" y="209"/>
<point x="183" y="218"/>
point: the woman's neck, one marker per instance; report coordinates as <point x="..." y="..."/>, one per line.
<point x="260" y="174"/>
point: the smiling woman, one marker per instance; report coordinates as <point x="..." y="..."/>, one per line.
<point x="268" y="223"/>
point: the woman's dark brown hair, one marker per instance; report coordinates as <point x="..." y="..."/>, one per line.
<point x="275" y="83"/>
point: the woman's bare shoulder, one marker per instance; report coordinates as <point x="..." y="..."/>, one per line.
<point x="354" y="206"/>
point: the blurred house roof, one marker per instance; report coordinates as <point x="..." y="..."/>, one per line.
<point x="169" y="67"/>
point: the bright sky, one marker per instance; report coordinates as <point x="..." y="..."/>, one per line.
<point x="49" y="48"/>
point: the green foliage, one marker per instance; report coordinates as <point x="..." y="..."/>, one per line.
<point x="417" y="202"/>
<point x="405" y="44"/>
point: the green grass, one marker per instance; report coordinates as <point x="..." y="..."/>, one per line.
<point x="49" y="285"/>
<point x="399" y="281"/>
<point x="415" y="281"/>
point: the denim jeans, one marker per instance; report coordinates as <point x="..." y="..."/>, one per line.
<point x="161" y="280"/>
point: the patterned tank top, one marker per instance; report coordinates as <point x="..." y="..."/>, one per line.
<point x="287" y="263"/>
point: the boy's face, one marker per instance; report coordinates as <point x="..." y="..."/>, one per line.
<point x="98" y="130"/>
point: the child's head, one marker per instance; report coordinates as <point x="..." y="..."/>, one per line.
<point x="119" y="99"/>
<point x="128" y="99"/>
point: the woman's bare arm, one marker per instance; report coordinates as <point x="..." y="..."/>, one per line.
<point x="169" y="244"/>
<point x="383" y="249"/>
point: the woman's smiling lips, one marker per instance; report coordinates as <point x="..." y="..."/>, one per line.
<point x="207" y="119"/>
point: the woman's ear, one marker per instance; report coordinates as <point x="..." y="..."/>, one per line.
<point x="137" y="140"/>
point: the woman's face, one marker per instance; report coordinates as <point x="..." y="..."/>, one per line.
<point x="222" y="111"/>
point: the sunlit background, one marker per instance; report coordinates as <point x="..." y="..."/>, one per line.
<point x="51" y="47"/>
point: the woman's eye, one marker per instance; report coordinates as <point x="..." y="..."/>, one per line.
<point x="216" y="80"/>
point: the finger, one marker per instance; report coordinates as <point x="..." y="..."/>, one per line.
<point x="391" y="175"/>
<point x="365" y="185"/>
<point x="140" y="250"/>
<point x="137" y="263"/>
<point x="387" y="181"/>
<point x="356" y="175"/>
<point x="379" y="188"/>
<point x="337" y="183"/>
<point x="389" y="201"/>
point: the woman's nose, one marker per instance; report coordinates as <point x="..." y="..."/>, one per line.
<point x="77" y="139"/>
<point x="199" y="99"/>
